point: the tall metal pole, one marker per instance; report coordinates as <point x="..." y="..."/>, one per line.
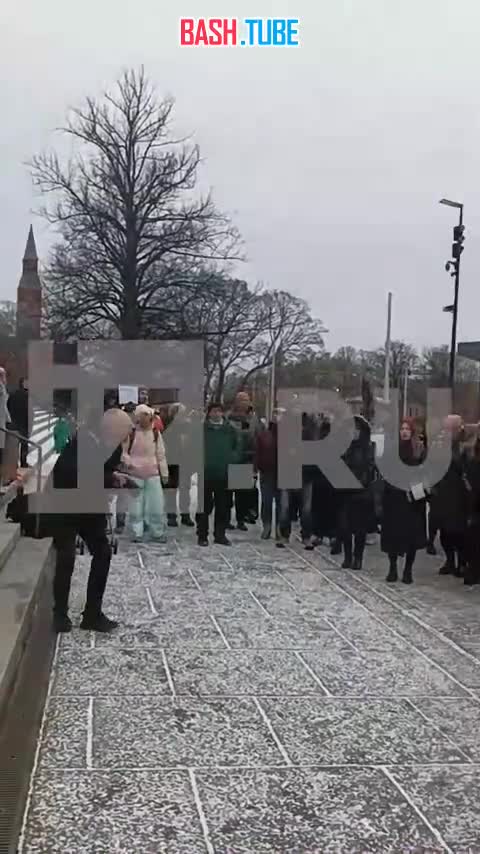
<point x="453" y="347"/>
<point x="405" y="392"/>
<point x="272" y="385"/>
<point x="386" y="387"/>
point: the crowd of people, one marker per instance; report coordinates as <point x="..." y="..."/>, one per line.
<point x="346" y="517"/>
<point x="158" y="494"/>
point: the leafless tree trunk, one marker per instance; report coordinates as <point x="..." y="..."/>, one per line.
<point x="126" y="212"/>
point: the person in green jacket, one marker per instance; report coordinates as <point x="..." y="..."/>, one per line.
<point x="61" y="434"/>
<point x="220" y="450"/>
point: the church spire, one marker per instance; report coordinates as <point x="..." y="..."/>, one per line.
<point x="29" y="294"/>
<point x="30" y="249"/>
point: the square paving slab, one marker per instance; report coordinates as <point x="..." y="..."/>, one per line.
<point x="103" y="813"/>
<point x="157" y="732"/>
<point x="110" y="670"/>
<point x="448" y="797"/>
<point x="385" y="675"/>
<point x="310" y="812"/>
<point x="240" y="673"/>
<point x="329" y="731"/>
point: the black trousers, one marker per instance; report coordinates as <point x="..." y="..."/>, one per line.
<point x="23" y="446"/>
<point x="472" y="551"/>
<point x="433" y="527"/>
<point x="409" y="558"/>
<point x="243" y="503"/>
<point x="453" y="544"/>
<point x="215" y="495"/>
<point x="177" y="481"/>
<point x="354" y="544"/>
<point x="93" y="533"/>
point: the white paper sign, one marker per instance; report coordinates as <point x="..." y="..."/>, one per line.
<point x="418" y="491"/>
<point x="127" y="394"/>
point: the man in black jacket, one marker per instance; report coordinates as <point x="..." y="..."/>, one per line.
<point x="18" y="409"/>
<point x="91" y="527"/>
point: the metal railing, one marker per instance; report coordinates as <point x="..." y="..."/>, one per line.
<point x="15" y="486"/>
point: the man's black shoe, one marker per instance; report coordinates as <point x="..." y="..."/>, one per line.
<point x="242" y="526"/>
<point x="222" y="541"/>
<point x="187" y="521"/>
<point x="431" y="550"/>
<point x="172" y="521"/>
<point x="98" y="623"/>
<point x="202" y="542"/>
<point x="230" y="527"/>
<point x="62" y="623"/>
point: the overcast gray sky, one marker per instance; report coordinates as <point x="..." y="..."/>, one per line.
<point x="331" y="157"/>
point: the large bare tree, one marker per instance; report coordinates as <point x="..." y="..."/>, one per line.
<point x="129" y="219"/>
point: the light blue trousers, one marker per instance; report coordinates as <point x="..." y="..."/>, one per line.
<point x="147" y="509"/>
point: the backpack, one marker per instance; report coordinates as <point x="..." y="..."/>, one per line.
<point x="132" y="438"/>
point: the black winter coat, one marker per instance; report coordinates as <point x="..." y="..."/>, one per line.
<point x="404" y="520"/>
<point x="18" y="409"/>
<point x="357" y="509"/>
<point x="65" y="475"/>
<point x="449" y="501"/>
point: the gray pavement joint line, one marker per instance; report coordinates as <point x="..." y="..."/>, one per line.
<point x="140" y="559"/>
<point x="406" y="613"/>
<point x="257" y="552"/>
<point x="297" y="766"/>
<point x="339" y="633"/>
<point x="225" y="560"/>
<point x="33" y="774"/>
<point x="409" y="643"/>
<point x="364" y="698"/>
<point x="201" y="814"/>
<point x="286" y="581"/>
<point x="171" y="683"/>
<point x="439" y="730"/>
<point x="314" y="676"/>
<point x="433" y="830"/>
<point x="89" y="751"/>
<point x="151" y="603"/>
<point x="272" y="731"/>
<point x="195" y="580"/>
<point x="262" y="608"/>
<point x="219" y="630"/>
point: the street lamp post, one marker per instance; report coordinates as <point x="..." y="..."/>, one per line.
<point x="456" y="274"/>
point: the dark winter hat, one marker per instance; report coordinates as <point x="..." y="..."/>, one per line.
<point x="214" y="405"/>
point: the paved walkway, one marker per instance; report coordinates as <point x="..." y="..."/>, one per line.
<point x="263" y="701"/>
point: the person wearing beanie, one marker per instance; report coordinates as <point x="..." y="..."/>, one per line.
<point x="220" y="450"/>
<point x="146" y="461"/>
<point x="404" y="517"/>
